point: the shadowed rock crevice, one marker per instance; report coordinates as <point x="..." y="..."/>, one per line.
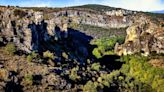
<point x="13" y="87"/>
<point x="68" y="39"/>
<point x="39" y="34"/>
<point x="14" y="84"/>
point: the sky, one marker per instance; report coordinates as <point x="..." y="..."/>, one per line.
<point x="139" y="5"/>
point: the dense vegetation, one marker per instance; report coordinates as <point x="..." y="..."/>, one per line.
<point x="105" y="46"/>
<point x="10" y="48"/>
<point x="99" y="32"/>
<point x="143" y="77"/>
<point x="135" y="74"/>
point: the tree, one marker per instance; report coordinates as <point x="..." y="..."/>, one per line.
<point x="96" y="66"/>
<point x="105" y="46"/>
<point x="10" y="48"/>
<point x="89" y="87"/>
<point x="48" y="55"/>
<point x="31" y="56"/>
<point x="96" y="53"/>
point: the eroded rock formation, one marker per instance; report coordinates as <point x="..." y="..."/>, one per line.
<point x="144" y="37"/>
<point x="29" y="31"/>
<point x="95" y="19"/>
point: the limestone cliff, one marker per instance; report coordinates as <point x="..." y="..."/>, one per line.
<point x="145" y="36"/>
<point x="95" y="19"/>
<point x="30" y="29"/>
<point x="27" y="31"/>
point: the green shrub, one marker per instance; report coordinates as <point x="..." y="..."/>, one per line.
<point x="73" y="75"/>
<point x="73" y="25"/>
<point x="111" y="52"/>
<point x="34" y="54"/>
<point x="120" y="39"/>
<point x="31" y="56"/>
<point x="106" y="45"/>
<point x="137" y="67"/>
<point x="10" y="48"/>
<point x="96" y="66"/>
<point x="89" y="87"/>
<point x="28" y="80"/>
<point x="48" y="55"/>
<point x="96" y="53"/>
<point x="102" y="32"/>
<point x="108" y="79"/>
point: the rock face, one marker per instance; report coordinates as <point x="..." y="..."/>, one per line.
<point x="95" y="19"/>
<point x="30" y="29"/>
<point x="145" y="37"/>
<point x="119" y="12"/>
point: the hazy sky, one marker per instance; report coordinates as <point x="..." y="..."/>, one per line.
<point x="143" y="5"/>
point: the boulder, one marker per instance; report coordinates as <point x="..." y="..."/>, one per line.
<point x="143" y="37"/>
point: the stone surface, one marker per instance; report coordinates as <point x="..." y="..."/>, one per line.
<point x="142" y="37"/>
<point x="33" y="30"/>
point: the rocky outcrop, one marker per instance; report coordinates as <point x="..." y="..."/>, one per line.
<point x="101" y="20"/>
<point x="157" y="63"/>
<point x="120" y="12"/>
<point x="30" y="29"/>
<point x="27" y="32"/>
<point x="142" y="37"/>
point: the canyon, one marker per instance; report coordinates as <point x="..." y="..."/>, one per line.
<point x="66" y="35"/>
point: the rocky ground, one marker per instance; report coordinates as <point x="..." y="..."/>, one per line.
<point x="18" y="74"/>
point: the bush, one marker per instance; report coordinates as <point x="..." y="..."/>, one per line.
<point x="48" y="55"/>
<point x="28" y="80"/>
<point x="10" y="48"/>
<point x="106" y="45"/>
<point x="96" y="66"/>
<point x="108" y="79"/>
<point x="96" y="53"/>
<point x="89" y="87"/>
<point x="137" y="67"/>
<point x="73" y="25"/>
<point x="31" y="56"/>
<point x="120" y="39"/>
<point x="111" y="52"/>
<point x="73" y="76"/>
